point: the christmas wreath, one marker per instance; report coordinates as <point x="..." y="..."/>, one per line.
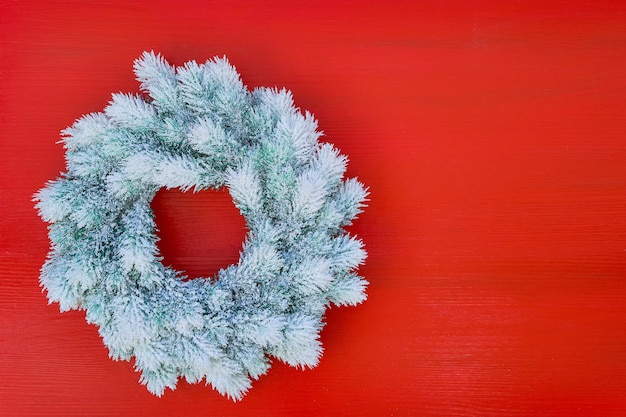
<point x="198" y="127"/>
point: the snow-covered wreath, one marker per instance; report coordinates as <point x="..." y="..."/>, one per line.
<point x="198" y="127"/>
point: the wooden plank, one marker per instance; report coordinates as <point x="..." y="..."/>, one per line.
<point x="491" y="135"/>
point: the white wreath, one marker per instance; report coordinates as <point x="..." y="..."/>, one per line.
<point x="199" y="127"/>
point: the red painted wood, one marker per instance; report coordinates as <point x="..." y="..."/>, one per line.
<point x="491" y="134"/>
<point x="199" y="232"/>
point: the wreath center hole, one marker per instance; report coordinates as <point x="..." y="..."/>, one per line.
<point x="200" y="233"/>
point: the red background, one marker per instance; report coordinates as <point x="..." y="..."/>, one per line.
<point x="491" y="134"/>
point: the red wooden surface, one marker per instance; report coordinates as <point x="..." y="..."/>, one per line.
<point x="491" y="134"/>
